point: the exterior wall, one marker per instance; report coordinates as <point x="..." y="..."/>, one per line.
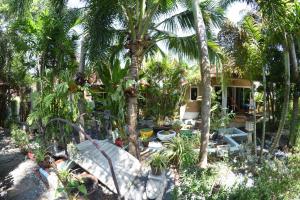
<point x="192" y="108"/>
<point x="243" y="83"/>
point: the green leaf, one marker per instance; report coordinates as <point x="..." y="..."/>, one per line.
<point x="82" y="189"/>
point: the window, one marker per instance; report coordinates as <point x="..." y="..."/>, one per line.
<point x="194" y="93"/>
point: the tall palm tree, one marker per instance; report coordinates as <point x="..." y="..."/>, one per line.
<point x="138" y="26"/>
<point x="205" y="81"/>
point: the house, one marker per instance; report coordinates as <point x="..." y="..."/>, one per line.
<point x="236" y="98"/>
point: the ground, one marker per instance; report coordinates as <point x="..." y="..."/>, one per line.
<point x="18" y="180"/>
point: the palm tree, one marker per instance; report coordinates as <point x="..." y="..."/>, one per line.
<point x="138" y="26"/>
<point x="205" y="78"/>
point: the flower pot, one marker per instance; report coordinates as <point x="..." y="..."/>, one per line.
<point x="166" y="137"/>
<point x="147" y="132"/>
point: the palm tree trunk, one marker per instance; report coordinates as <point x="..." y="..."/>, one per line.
<point x="132" y="108"/>
<point x="295" y="118"/>
<point x="295" y="112"/>
<point x="285" y="106"/>
<point x="254" y="120"/>
<point x="264" y="115"/>
<point x="80" y="104"/>
<point x="205" y="79"/>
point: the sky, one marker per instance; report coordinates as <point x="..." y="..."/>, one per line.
<point x="234" y="13"/>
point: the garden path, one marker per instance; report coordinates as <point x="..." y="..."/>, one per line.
<point x="17" y="178"/>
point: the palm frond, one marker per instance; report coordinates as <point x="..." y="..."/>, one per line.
<point x="226" y="3"/>
<point x="181" y="21"/>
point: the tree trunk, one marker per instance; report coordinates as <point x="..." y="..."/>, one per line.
<point x="80" y="104"/>
<point x="295" y="118"/>
<point x="264" y="115"/>
<point x="295" y="112"/>
<point x="205" y="81"/>
<point x="224" y="94"/>
<point x="254" y="120"/>
<point x="285" y="106"/>
<point x="272" y="107"/>
<point x="132" y="108"/>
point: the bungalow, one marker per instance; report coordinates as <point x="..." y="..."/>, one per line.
<point x="236" y="98"/>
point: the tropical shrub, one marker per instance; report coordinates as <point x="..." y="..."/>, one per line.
<point x="162" y="90"/>
<point x="158" y="163"/>
<point x="20" y="137"/>
<point x="112" y="76"/>
<point x="219" y="119"/>
<point x="180" y="152"/>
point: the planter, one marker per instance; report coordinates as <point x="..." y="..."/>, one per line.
<point x="163" y="136"/>
<point x="155" y="171"/>
<point x="146" y="132"/>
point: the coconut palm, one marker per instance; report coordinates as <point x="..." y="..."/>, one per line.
<point x="139" y="26"/>
<point x="205" y="77"/>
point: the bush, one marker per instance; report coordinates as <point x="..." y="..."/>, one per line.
<point x="195" y="183"/>
<point x="180" y="152"/>
<point x="274" y="180"/>
<point x="20" y="138"/>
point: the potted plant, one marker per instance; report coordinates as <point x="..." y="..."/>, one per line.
<point x="162" y="125"/>
<point x="145" y="141"/>
<point x="158" y="163"/>
<point x="176" y="126"/>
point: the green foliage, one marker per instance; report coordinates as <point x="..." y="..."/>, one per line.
<point x="39" y="153"/>
<point x="55" y="101"/>
<point x="274" y="180"/>
<point x="163" y="92"/>
<point x="144" y="139"/>
<point x="112" y="76"/>
<point x="20" y="137"/>
<point x="219" y="119"/>
<point x="158" y="161"/>
<point x="180" y="152"/>
<point x="72" y="185"/>
<point x="195" y="183"/>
